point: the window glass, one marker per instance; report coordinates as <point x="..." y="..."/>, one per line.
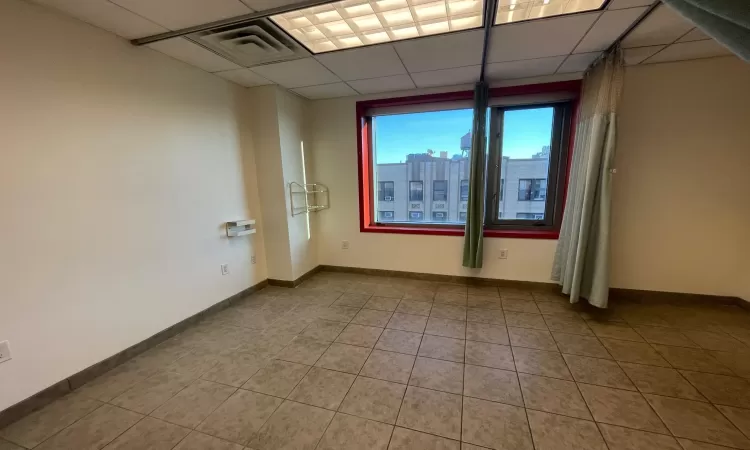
<point x="385" y="216"/>
<point x="530" y="216"/>
<point x="420" y="165"/>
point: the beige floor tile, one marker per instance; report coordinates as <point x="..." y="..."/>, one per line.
<point x="148" y="395"/>
<point x="574" y="344"/>
<point x="482" y="301"/>
<point x="713" y="341"/>
<point x="414" y="307"/>
<point x="361" y="335"/>
<point x="5" y="445"/>
<point x="419" y="296"/>
<point x="484" y="332"/>
<point x="439" y="347"/>
<point x="388" y="366"/>
<point x="553" y="395"/>
<point x="738" y="416"/>
<point x="355" y="300"/>
<point x="116" y="381"/>
<point x="408" y="322"/>
<point x="568" y="325"/>
<point x="454" y="312"/>
<point x="489" y="355"/>
<point x="195" y="364"/>
<point x="526" y="337"/>
<point x="238" y="418"/>
<point x="660" y="380"/>
<point x="721" y="389"/>
<point x="633" y="352"/>
<point x="495" y="425"/>
<point x="382" y="303"/>
<point x="553" y="432"/>
<point x="446" y="327"/>
<point x="40" y="425"/>
<point x="540" y="362"/>
<point x="93" y="431"/>
<point x="348" y="432"/>
<point x="737" y="362"/>
<point x="235" y="368"/>
<point x="431" y="412"/>
<point x="565" y="309"/>
<point x="482" y="315"/>
<point x="598" y="371"/>
<point x="618" y="407"/>
<point x="496" y="385"/>
<point x="517" y="305"/>
<point x="697" y="420"/>
<point x="292" y="426"/>
<point x="194" y="403"/>
<point x="200" y="441"/>
<point x="619" y="438"/>
<point x="404" y="439"/>
<point x="372" y="317"/>
<point x="374" y="399"/>
<point x="399" y="341"/>
<point x="323" y="388"/>
<point x="388" y="291"/>
<point x="338" y="313"/>
<point x="613" y="330"/>
<point x="437" y="374"/>
<point x="303" y="351"/>
<point x="687" y="444"/>
<point x="151" y="434"/>
<point x="344" y="358"/>
<point x="525" y="320"/>
<point x="454" y="288"/>
<point x="278" y="378"/>
<point x="691" y="359"/>
<point x="450" y="298"/>
<point x="487" y="291"/>
<point x="665" y="336"/>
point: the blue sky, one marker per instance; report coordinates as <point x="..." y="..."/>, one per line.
<point x="526" y="131"/>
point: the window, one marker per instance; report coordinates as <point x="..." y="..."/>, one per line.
<point x="439" y="191"/>
<point x="423" y="144"/>
<point x="416" y="191"/>
<point x="532" y="189"/>
<point x="464" y="194"/>
<point x="439" y="216"/>
<point x="385" y="191"/>
<point x="386" y="216"/>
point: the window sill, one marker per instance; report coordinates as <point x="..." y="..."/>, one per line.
<point x="459" y="231"/>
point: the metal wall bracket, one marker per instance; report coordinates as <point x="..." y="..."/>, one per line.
<point x="307" y="198"/>
<point x="240" y="228"/>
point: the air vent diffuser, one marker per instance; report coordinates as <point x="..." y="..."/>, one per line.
<point x="251" y="43"/>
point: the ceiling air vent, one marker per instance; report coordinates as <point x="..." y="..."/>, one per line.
<point x="251" y="43"/>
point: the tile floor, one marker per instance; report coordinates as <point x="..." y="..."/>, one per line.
<point x="356" y="362"/>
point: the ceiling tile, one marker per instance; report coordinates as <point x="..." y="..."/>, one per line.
<point x="689" y="50"/>
<point x="325" y="91"/>
<point x="635" y="56"/>
<point x="442" y="52"/>
<point x="363" y="62"/>
<point x="578" y="63"/>
<point x="446" y="77"/>
<point x="523" y="69"/>
<point x="260" y="5"/>
<point x="244" y="77"/>
<point x="297" y="73"/>
<point x="186" y="51"/>
<point x="539" y="80"/>
<point x="662" y="26"/>
<point x="622" y="4"/>
<point x="384" y="84"/>
<point x="176" y="14"/>
<point x="610" y="26"/>
<point x="694" y="35"/>
<point x="538" y="38"/>
<point x="107" y="16"/>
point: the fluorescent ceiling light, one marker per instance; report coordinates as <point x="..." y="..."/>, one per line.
<point x="517" y="10"/>
<point x="354" y="23"/>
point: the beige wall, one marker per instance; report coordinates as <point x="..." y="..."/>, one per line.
<point x="679" y="201"/>
<point x="118" y="167"/>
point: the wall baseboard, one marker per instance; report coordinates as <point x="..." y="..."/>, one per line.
<point x="297" y="282"/>
<point x="73" y="382"/>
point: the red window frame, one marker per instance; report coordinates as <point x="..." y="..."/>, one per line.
<point x="364" y="158"/>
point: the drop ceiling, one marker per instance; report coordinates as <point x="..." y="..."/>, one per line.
<point x="551" y="47"/>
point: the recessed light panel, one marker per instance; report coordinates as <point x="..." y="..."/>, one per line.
<point x="517" y="10"/>
<point x="355" y="23"/>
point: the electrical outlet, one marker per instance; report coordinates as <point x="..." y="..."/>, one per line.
<point x="4" y="351"/>
<point x="225" y="269"/>
<point x="503" y="254"/>
<point x="252" y="259"/>
<point x="344" y="245"/>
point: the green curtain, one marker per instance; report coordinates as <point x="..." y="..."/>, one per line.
<point x="727" y="21"/>
<point x="477" y="162"/>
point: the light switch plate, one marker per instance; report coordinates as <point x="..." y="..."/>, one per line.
<point x="4" y="351"/>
